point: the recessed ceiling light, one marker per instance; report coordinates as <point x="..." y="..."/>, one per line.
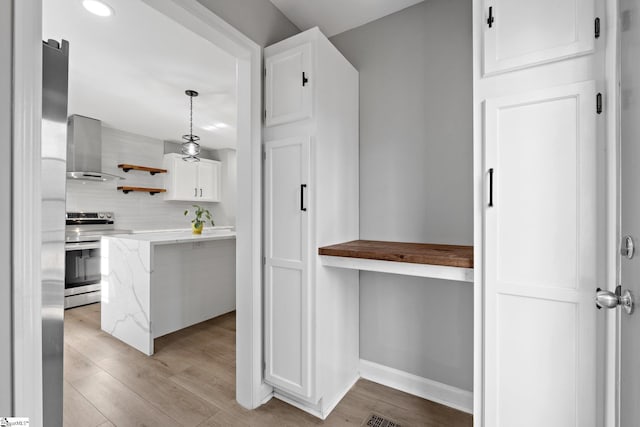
<point x="215" y="126"/>
<point x="97" y="7"/>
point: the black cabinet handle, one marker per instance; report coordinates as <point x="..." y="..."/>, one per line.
<point x="490" y="19"/>
<point x="201" y="192"/>
<point x="305" y="80"/>
<point x="302" y="207"/>
<point x="491" y="187"/>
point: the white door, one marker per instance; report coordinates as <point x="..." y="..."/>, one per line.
<point x="288" y="86"/>
<point x="208" y="181"/>
<point x="184" y="180"/>
<point x="520" y="33"/>
<point x="541" y="268"/>
<point x="629" y="345"/>
<point x="287" y="295"/>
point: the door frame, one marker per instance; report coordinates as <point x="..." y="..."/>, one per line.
<point x="613" y="207"/>
<point x="6" y="81"/>
<point x="26" y="210"/>
<point x="251" y="391"/>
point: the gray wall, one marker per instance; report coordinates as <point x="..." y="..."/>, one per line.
<point x="259" y="20"/>
<point x="6" y="62"/>
<point x="416" y="182"/>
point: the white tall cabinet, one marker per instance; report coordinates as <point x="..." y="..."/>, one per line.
<point x="539" y="216"/>
<point x="311" y="200"/>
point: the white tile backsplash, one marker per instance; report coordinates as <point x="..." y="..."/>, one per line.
<point x="136" y="211"/>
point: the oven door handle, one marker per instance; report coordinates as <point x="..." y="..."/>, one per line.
<point x="81" y="245"/>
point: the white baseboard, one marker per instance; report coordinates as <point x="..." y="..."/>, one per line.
<point x="304" y="406"/>
<point x="434" y="391"/>
<point x="267" y="394"/>
<point x="331" y="405"/>
<point x="321" y="409"/>
<point x="427" y="389"/>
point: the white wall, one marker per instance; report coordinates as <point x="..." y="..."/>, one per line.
<point x="416" y="181"/>
<point x="226" y="209"/>
<point x="134" y="211"/>
<point x="259" y="20"/>
<point x="6" y="63"/>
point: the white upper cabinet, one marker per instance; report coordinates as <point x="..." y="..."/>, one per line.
<point x="209" y="180"/>
<point x="192" y="181"/>
<point x="288" y="86"/>
<point x="182" y="179"/>
<point x="521" y="33"/>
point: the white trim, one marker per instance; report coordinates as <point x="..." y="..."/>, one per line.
<point x="613" y="212"/>
<point x="306" y="407"/>
<point x="320" y="410"/>
<point x="268" y="396"/>
<point x="404" y="268"/>
<point x="27" y="110"/>
<point x="434" y="391"/>
<point x="250" y="388"/>
<point x="338" y="398"/>
<point x="6" y="214"/>
<point x="478" y="218"/>
<point x="612" y="200"/>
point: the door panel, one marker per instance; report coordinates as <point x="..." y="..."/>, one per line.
<point x="541" y="267"/>
<point x="287" y="284"/>
<point x="532" y="199"/>
<point x="525" y="32"/>
<point x="287" y="220"/>
<point x="287" y="98"/>
<point x="551" y="347"/>
<point x="629" y="346"/>
<point x="286" y="332"/>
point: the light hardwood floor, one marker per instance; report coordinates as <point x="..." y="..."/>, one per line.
<point x="190" y="381"/>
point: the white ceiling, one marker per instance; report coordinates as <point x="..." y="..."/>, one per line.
<point x="131" y="70"/>
<point x="336" y="16"/>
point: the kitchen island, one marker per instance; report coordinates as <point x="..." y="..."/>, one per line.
<point x="155" y="283"/>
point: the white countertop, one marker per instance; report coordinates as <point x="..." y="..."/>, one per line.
<point x="167" y="237"/>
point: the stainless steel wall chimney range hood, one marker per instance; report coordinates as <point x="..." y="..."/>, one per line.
<point x="84" y="150"/>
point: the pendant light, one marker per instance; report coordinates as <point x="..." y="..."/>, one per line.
<point x="191" y="148"/>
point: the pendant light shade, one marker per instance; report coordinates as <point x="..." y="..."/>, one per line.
<point x="190" y="146"/>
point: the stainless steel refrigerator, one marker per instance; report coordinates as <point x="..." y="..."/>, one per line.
<point x="55" y="65"/>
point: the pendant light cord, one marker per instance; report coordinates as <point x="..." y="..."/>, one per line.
<point x="191" y="117"/>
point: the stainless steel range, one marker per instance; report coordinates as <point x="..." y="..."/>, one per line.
<point x="82" y="272"/>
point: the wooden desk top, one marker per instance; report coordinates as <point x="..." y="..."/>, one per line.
<point x="417" y="253"/>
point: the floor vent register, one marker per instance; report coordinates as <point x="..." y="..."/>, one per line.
<point x="378" y="421"/>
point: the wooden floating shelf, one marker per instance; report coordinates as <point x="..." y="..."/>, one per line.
<point x="127" y="167"/>
<point x="417" y="253"/>
<point x="151" y="191"/>
<point x="450" y="262"/>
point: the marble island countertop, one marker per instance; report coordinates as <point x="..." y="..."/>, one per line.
<point x="166" y="237"/>
<point x="157" y="282"/>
